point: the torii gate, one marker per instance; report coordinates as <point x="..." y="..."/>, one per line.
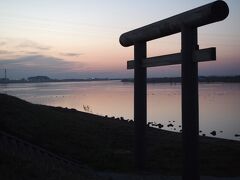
<point x="186" y="23"/>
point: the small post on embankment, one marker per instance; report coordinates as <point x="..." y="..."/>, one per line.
<point x="185" y="23"/>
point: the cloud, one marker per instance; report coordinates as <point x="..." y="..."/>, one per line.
<point x="40" y="65"/>
<point x="2" y="43"/>
<point x="29" y="52"/>
<point x="32" y="45"/>
<point x="71" y="54"/>
<point x="4" y="52"/>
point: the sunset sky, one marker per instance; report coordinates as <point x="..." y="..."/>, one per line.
<point x="80" y="39"/>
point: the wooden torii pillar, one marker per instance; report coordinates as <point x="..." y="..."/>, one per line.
<point x="186" y="23"/>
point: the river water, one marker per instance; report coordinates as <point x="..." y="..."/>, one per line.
<point x="219" y="103"/>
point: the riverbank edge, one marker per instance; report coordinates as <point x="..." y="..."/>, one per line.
<point x="23" y="107"/>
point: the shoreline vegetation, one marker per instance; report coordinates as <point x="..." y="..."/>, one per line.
<point x="102" y="143"/>
<point x="204" y="79"/>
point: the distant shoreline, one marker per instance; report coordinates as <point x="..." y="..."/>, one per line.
<point x="204" y="79"/>
<point x="54" y="80"/>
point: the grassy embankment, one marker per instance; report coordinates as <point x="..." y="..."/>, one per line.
<point x="107" y="144"/>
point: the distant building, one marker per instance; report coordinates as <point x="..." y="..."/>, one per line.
<point x="39" y="79"/>
<point x="4" y="80"/>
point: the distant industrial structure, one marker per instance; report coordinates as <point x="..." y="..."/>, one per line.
<point x="4" y="79"/>
<point x="5" y="73"/>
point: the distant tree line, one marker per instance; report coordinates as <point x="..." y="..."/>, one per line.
<point x="207" y="79"/>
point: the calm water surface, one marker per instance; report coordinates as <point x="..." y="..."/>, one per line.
<point x="219" y="107"/>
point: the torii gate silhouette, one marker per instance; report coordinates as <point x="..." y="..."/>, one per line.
<point x="186" y="23"/>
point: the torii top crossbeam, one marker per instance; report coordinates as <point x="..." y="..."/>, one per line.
<point x="194" y="18"/>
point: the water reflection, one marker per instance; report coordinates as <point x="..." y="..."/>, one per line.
<point x="218" y="103"/>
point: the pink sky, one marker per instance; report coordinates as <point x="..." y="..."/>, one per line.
<point x="80" y="39"/>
